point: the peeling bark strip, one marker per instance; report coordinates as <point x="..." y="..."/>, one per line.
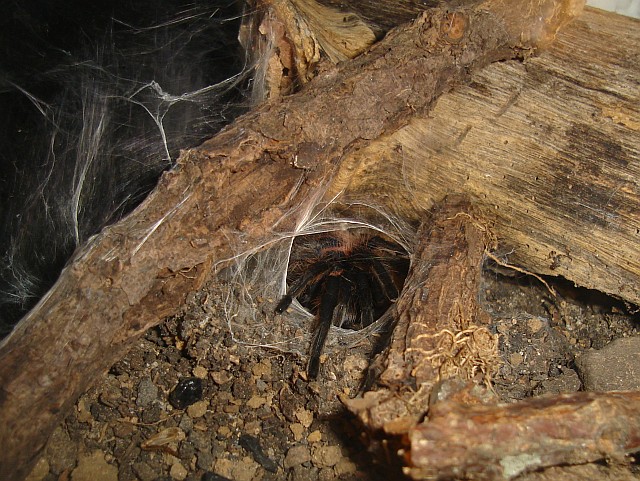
<point x="504" y="441"/>
<point x="130" y="275"/>
<point x="441" y="329"/>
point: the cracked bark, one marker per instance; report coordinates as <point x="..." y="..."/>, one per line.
<point x="248" y="177"/>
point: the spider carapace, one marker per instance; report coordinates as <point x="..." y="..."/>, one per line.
<point x="346" y="278"/>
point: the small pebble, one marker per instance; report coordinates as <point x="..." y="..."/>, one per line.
<point x="516" y="359"/>
<point x="204" y="460"/>
<point x="200" y="372"/>
<point x="224" y="466"/>
<point x="220" y="377"/>
<point x="535" y="324"/>
<point x="298" y="430"/>
<point x="178" y="471"/>
<point x="315" y="436"/>
<point x="262" y="369"/>
<point x="244" y="470"/>
<point x="326" y="456"/>
<point x="326" y="474"/>
<point x="253" y="427"/>
<point x="296" y="456"/>
<point x="345" y="466"/>
<point x="305" y="417"/>
<point x="261" y="385"/>
<point x="255" y="402"/>
<point x="147" y="392"/>
<point x="231" y="409"/>
<point x="198" y="409"/>
<point x="144" y="472"/>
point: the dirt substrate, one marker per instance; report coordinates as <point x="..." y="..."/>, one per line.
<point x="258" y="418"/>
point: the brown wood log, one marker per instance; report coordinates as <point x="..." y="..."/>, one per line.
<point x="431" y="403"/>
<point x="502" y="442"/>
<point x="244" y="180"/>
<point x="548" y="148"/>
<point x="441" y="330"/>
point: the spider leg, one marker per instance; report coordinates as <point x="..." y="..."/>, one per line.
<point x="363" y="295"/>
<point x="394" y="266"/>
<point x="328" y="311"/>
<point x="384" y="280"/>
<point x="299" y="285"/>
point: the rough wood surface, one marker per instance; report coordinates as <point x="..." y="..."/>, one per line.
<point x="502" y="442"/>
<point x="549" y="148"/>
<point x="441" y="330"/>
<point x="243" y="181"/>
<point x="381" y="16"/>
<point x="429" y="404"/>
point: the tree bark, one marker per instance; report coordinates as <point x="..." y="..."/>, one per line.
<point x="547" y="148"/>
<point x="432" y="404"/>
<point x="502" y="442"/>
<point x="247" y="179"/>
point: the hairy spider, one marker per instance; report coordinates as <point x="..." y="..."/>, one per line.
<point x="346" y="278"/>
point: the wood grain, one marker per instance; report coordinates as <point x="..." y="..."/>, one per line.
<point x="549" y="148"/>
<point x="235" y="188"/>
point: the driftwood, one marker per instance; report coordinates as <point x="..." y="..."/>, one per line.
<point x="432" y="401"/>
<point x="247" y="179"/>
<point x="547" y="148"/>
<point x="502" y="442"/>
<point x="441" y="330"/>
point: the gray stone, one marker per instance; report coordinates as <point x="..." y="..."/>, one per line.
<point x="567" y="381"/>
<point x="615" y="367"/>
<point x="61" y="451"/>
<point x="147" y="392"/>
<point x="144" y="472"/>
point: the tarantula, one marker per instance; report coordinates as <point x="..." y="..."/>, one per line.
<point x="347" y="278"/>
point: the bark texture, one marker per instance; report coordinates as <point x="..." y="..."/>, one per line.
<point x="441" y="332"/>
<point x="548" y="149"/>
<point x="502" y="442"/>
<point x="244" y="180"/>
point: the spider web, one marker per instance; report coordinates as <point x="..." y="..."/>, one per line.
<point x="96" y="122"/>
<point x="255" y="280"/>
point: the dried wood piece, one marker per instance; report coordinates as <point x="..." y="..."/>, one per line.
<point x="441" y="330"/>
<point x="245" y="179"/>
<point x="501" y="442"/>
<point x="440" y="344"/>
<point x="547" y="148"/>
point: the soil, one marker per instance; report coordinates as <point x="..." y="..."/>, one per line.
<point x="257" y="417"/>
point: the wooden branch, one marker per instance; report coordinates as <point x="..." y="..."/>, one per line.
<point x="548" y="148"/>
<point x="429" y="403"/>
<point x="441" y="330"/>
<point x="246" y="179"/>
<point x="502" y="442"/>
